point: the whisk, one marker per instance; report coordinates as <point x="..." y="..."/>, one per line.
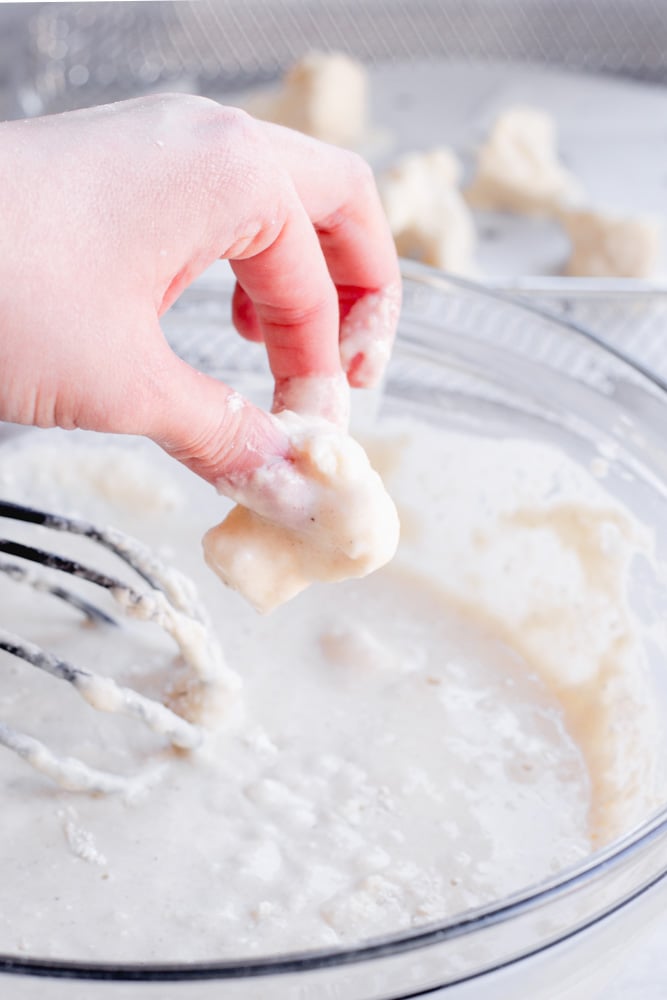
<point x="166" y="597"/>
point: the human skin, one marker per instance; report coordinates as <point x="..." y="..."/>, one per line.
<point x="110" y="212"/>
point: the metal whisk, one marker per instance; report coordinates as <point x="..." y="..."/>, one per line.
<point x="169" y="600"/>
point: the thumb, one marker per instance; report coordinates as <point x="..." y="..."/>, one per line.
<point x="210" y="428"/>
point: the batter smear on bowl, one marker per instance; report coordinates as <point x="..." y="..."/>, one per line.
<point x="395" y="737"/>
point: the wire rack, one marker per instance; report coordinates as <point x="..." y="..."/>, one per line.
<point x="58" y="56"/>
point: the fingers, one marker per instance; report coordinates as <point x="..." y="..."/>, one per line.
<point x="161" y="187"/>
<point x="302" y="224"/>
<point x="363" y="356"/>
<point x="338" y="192"/>
<point x="209" y="427"/>
<point x="295" y="309"/>
<point x="244" y="316"/>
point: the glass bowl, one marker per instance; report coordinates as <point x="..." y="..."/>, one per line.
<point x="466" y="359"/>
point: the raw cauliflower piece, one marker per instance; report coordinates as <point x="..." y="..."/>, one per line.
<point x="518" y="168"/>
<point x="427" y="215"/>
<point x="613" y="246"/>
<point x="324" y="95"/>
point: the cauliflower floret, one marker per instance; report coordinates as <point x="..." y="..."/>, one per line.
<point x="518" y="168"/>
<point x="324" y="95"/>
<point x="323" y="515"/>
<point x="427" y="215"/>
<point x="613" y="246"/>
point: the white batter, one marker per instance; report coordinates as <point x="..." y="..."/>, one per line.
<point x="448" y="730"/>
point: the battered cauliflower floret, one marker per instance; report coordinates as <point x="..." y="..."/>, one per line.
<point x="324" y="515"/>
<point x="613" y="246"/>
<point x="518" y="169"/>
<point x="324" y="95"/>
<point x="427" y="215"/>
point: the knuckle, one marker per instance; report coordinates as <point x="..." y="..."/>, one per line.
<point x="183" y="110"/>
<point x="211" y="449"/>
<point x="360" y="192"/>
<point x="225" y="167"/>
<point x="243" y="172"/>
<point x="208" y="125"/>
<point x="283" y="318"/>
<point x="360" y="173"/>
<point x="234" y="124"/>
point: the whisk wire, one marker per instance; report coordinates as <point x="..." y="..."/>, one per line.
<point x="38" y="581"/>
<point x="171" y="603"/>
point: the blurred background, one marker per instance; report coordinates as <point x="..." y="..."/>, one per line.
<point x="56" y="56"/>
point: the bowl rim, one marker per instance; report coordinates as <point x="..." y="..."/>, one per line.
<point x="654" y="828"/>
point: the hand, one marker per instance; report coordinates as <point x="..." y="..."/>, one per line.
<point x="109" y="213"/>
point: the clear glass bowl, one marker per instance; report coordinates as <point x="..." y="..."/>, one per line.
<point x="466" y="358"/>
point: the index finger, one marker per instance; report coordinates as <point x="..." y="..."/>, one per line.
<point x="295" y="303"/>
<point x="339" y="195"/>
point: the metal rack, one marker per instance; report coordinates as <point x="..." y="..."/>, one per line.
<point x="58" y="56"/>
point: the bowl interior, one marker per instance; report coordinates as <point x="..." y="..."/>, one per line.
<point x="472" y="362"/>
